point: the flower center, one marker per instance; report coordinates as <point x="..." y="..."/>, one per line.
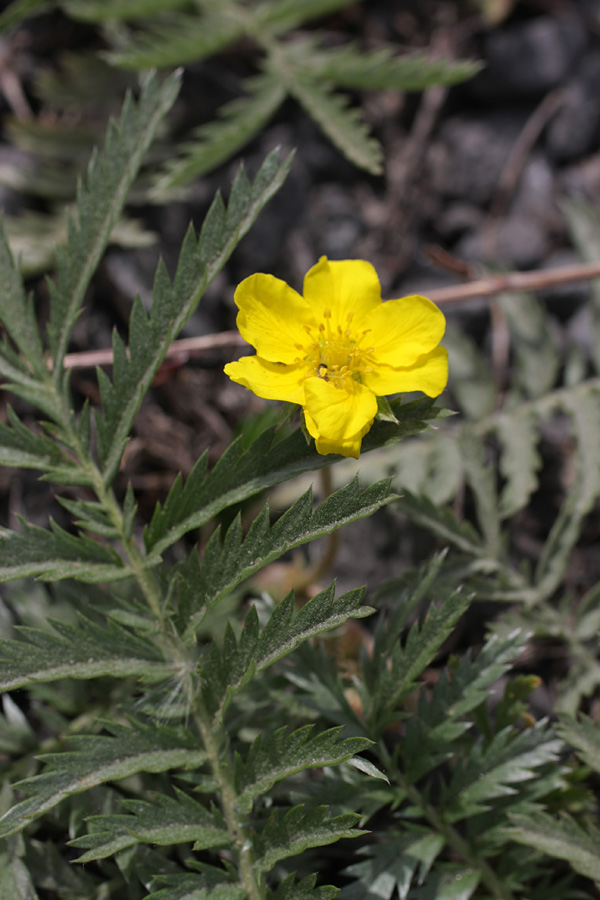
<point x="335" y="353"/>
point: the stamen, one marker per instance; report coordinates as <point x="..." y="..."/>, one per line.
<point x="321" y="327"/>
<point x="339" y="328"/>
<point x="307" y="328"/>
<point x="322" y="371"/>
<point x="349" y="317"/>
<point x="298" y="346"/>
<point x="326" y="313"/>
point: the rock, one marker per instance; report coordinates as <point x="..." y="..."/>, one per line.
<point x="531" y="58"/>
<point x="574" y="127"/>
<point x="516" y="242"/>
<point x="475" y="152"/>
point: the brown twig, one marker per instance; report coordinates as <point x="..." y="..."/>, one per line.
<point x="455" y="294"/>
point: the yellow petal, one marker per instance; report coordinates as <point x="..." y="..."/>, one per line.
<point x="273" y="381"/>
<point x="272" y="317"/>
<point x="429" y="373"/>
<point x="346" y="447"/>
<point x="339" y="414"/>
<point x="343" y="287"/>
<point x="403" y="330"/>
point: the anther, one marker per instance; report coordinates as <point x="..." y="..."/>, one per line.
<point x="326" y="313"/>
<point x="339" y="328"/>
<point x="349" y="317"/>
<point x="306" y="328"/>
<point x="321" y="327"/>
<point x="298" y="346"/>
<point x="322" y="371"/>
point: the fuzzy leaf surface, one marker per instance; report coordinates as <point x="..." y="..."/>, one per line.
<point x="342" y="123"/>
<point x="561" y="838"/>
<point x="582" y="734"/>
<point x="292" y="833"/>
<point x="87" y="650"/>
<point x="351" y="67"/>
<point x="186" y="38"/>
<point x="17" y="312"/>
<point x="230" y="560"/>
<point x="241" y="472"/>
<point x="227" y="669"/>
<point x="282" y="753"/>
<point x="392" y="865"/>
<point x="290" y="889"/>
<point x="99" y="205"/>
<point x="98" y="759"/>
<point x="498" y="769"/>
<point x="55" y="554"/>
<point x="193" y="887"/>
<point x="166" y="821"/>
<point x="172" y="304"/>
<point x="218" y="140"/>
<point x="520" y="461"/>
<point x="438" y="722"/>
<point x="24" y="449"/>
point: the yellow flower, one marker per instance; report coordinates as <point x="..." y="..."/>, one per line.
<point x="337" y="348"/>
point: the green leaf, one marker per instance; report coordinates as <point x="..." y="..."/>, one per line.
<point x="441" y="522"/>
<point x="481" y="478"/>
<point x="86" y="650"/>
<point x="290" y="889"/>
<point x="561" y="838"/>
<point x="228" y="669"/>
<point x="101" y="758"/>
<point x="498" y="769"/>
<point x="274" y="757"/>
<point x="519" y="460"/>
<point x="117" y="11"/>
<point x="392" y="865"/>
<point x="23" y="9"/>
<point x="281" y="16"/>
<point x="536" y="358"/>
<point x="471" y="378"/>
<point x="584" y="736"/>
<point x="584" y="227"/>
<point x="351" y="67"/>
<point x="55" y="554"/>
<point x="22" y="448"/>
<point x="17" y="312"/>
<point x="398" y="675"/>
<point x="230" y="560"/>
<point x="182" y="39"/>
<point x="15" y="880"/>
<point x="194" y="887"/>
<point x="173" y="303"/>
<point x="218" y="140"/>
<point x="99" y="205"/>
<point x="342" y="123"/>
<point x="166" y="821"/>
<point x="242" y="472"/>
<point x="297" y="830"/>
<point x="438" y="720"/>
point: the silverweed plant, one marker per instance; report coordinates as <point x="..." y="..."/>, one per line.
<point x="170" y="735"/>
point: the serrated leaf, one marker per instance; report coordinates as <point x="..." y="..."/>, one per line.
<point x="55" y="554"/>
<point x="561" y="838"/>
<point x="99" y="204"/>
<point x="117" y="11"/>
<point x="297" y="830"/>
<point x="498" y="769"/>
<point x="228" y="561"/>
<point x="584" y="736"/>
<point x="98" y="759"/>
<point x="24" y="449"/>
<point x="21" y="10"/>
<point x="183" y="39"/>
<point x="471" y="379"/>
<point x="282" y="15"/>
<point x="519" y="460"/>
<point x="392" y="865"/>
<point x="228" y="669"/>
<point x="584" y="227"/>
<point x="480" y="475"/>
<point x="399" y="674"/>
<point x="173" y="303"/>
<point x="166" y="821"/>
<point x="218" y="140"/>
<point x="536" y="357"/>
<point x="193" y="887"/>
<point x="87" y="650"/>
<point x="17" y="312"/>
<point x="290" y="889"/>
<point x="438" y="719"/>
<point x="352" y="67"/>
<point x="242" y="472"/>
<point x="342" y="123"/>
<point x="441" y="522"/>
<point x="283" y="753"/>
